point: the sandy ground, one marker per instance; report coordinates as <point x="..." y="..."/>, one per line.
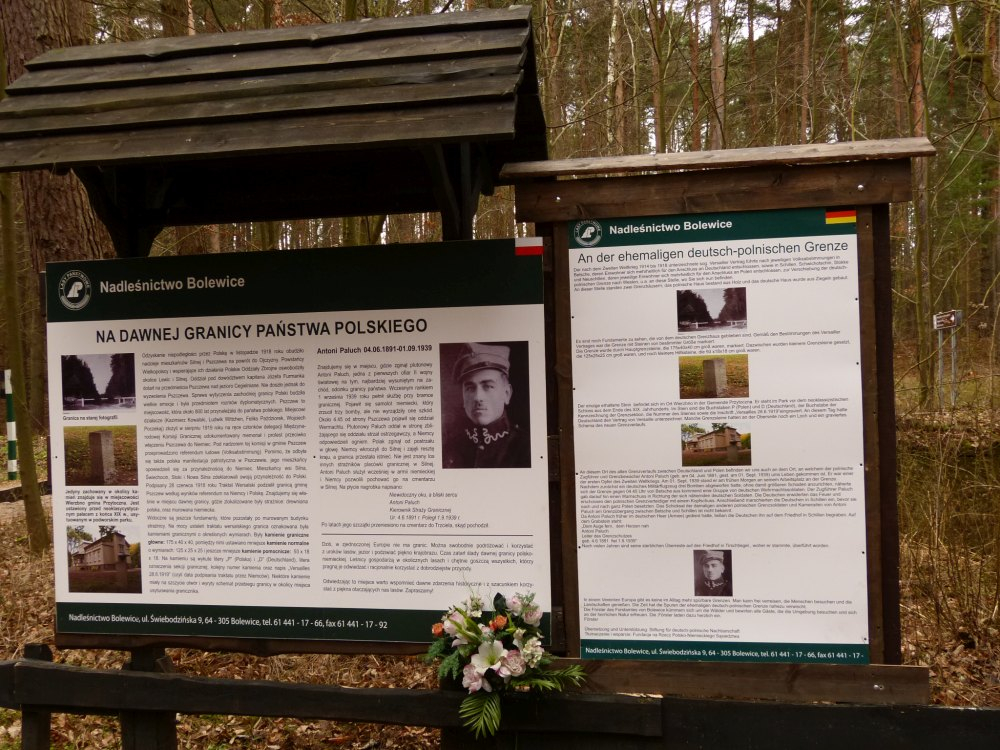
<point x="15" y="511"/>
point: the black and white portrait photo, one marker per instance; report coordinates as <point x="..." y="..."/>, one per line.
<point x="484" y="404"/>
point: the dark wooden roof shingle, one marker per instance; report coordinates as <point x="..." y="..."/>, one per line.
<point x="284" y="123"/>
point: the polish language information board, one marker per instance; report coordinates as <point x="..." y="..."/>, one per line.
<point x="718" y="435"/>
<point x="256" y="444"/>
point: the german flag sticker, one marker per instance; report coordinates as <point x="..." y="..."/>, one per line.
<point x="841" y="217"/>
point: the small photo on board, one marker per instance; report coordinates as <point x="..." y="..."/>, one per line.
<point x="485" y="405"/>
<point x="713" y="572"/>
<point x="101" y="455"/>
<point x="93" y="382"/>
<point x="711" y="309"/>
<point x="104" y="558"/>
<point x="714" y="376"/>
<point x="714" y="444"/>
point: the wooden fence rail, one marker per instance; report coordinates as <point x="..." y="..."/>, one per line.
<point x="147" y="703"/>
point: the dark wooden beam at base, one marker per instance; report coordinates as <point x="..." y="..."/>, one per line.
<point x="691" y="725"/>
<point x="798" y="683"/>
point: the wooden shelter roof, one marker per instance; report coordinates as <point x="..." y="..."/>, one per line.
<point x="378" y="116"/>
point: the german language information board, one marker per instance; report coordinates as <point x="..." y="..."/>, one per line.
<point x="718" y="431"/>
<point x="327" y="444"/>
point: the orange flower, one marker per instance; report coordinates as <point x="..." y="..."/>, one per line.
<point x="498" y="622"/>
<point x="437" y="630"/>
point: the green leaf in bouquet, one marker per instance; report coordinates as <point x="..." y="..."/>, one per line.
<point x="480" y="712"/>
<point x="436" y="650"/>
<point x="451" y="666"/>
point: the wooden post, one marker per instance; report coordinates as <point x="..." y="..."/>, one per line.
<point x="11" y="427"/>
<point x="149" y="730"/>
<point x="36" y="725"/>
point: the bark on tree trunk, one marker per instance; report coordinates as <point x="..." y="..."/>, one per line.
<point x="60" y="223"/>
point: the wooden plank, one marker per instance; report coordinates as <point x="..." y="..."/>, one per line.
<point x="248" y="139"/>
<point x="317" y="34"/>
<point x="266" y="108"/>
<point x="78" y="690"/>
<point x="267" y="62"/>
<point x="735" y="726"/>
<point x="103" y="100"/>
<point x="459" y="739"/>
<point x="708" y="191"/>
<point x="813" y="153"/>
<point x="886" y="420"/>
<point x="797" y="683"/>
<point x="598" y="714"/>
<point x="58" y="687"/>
<point x="564" y="396"/>
<point x="7" y="685"/>
<point x="869" y="417"/>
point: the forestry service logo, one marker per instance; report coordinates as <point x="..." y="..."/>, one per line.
<point x="74" y="290"/>
<point x="587" y="233"/>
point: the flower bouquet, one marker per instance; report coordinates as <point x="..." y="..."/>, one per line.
<point x="493" y="653"/>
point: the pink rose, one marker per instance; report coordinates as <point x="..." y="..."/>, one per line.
<point x="514" y="663"/>
<point x="473" y="680"/>
<point x="533" y="615"/>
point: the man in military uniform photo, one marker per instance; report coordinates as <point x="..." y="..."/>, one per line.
<point x="712" y="578"/>
<point x="486" y="436"/>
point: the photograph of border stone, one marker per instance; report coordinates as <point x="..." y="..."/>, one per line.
<point x="713" y="572"/>
<point x="485" y="419"/>
<point x="711" y="309"/>
<point x="714" y="376"/>
<point x="714" y="444"/>
<point x="98" y="381"/>
<point x="101" y="559"/>
<point x="101" y="455"/>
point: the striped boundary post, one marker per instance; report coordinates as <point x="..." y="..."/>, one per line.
<point x="11" y="428"/>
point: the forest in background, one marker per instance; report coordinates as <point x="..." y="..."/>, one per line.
<point x="624" y="77"/>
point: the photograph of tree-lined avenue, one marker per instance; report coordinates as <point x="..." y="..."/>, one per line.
<point x="98" y="381"/>
<point x="624" y="77"/>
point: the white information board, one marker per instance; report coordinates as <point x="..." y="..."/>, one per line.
<point x="718" y="432"/>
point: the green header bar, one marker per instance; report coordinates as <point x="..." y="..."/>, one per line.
<point x="748" y="225"/>
<point x="381" y="277"/>
<point x="793" y="653"/>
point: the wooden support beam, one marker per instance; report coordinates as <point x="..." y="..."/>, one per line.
<point x="744" y="189"/>
<point x="769" y="156"/>
<point x="119" y="200"/>
<point x="458" y="173"/>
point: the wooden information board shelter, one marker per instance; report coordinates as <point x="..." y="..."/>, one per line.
<point x="396" y="115"/>
<point x="866" y="176"/>
<point x="425" y="114"/>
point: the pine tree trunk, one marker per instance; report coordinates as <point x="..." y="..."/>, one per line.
<point x="693" y="37"/>
<point x="718" y="122"/>
<point x="60" y="223"/>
